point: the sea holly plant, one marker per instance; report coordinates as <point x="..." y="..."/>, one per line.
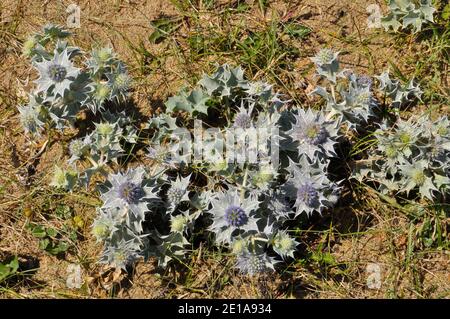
<point x="327" y="64"/>
<point x="68" y="81"/>
<point x="411" y="157"/>
<point x="229" y="157"/>
<point x="404" y="14"/>
<point x="313" y="134"/>
<point x="351" y="99"/>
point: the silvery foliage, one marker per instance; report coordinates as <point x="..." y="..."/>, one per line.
<point x="411" y="156"/>
<point x="351" y="100"/>
<point x="399" y="93"/>
<point x="132" y="200"/>
<point x="65" y="88"/>
<point x="406" y="13"/>
<point x="93" y="153"/>
<point x="127" y="198"/>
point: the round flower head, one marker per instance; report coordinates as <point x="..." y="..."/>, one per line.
<point x="252" y="264"/>
<point x="324" y="56"/>
<point x="314" y="135"/>
<point x="177" y="192"/>
<point x="260" y="89"/>
<point x="243" y="119"/>
<point x="29" y="45"/>
<point x="364" y="81"/>
<point x="30" y="119"/>
<point x="58" y="73"/>
<point x="309" y="186"/>
<point x="232" y="215"/>
<point x="327" y="64"/>
<point x="119" y="81"/>
<point x="121" y="255"/>
<point x="235" y="216"/>
<point x="178" y="223"/>
<point x="105" y="224"/>
<point x="79" y="148"/>
<point x="100" y="93"/>
<point x="100" y="59"/>
<point x="129" y="191"/>
<point x="417" y="175"/>
<point x="264" y="177"/>
<point x="284" y="245"/>
<point x="239" y="246"/>
<point x="64" y="179"/>
<point x="308" y="194"/>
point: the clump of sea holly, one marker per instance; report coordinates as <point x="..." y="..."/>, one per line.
<point x="411" y="156"/>
<point x="127" y="198"/>
<point x="66" y="88"/>
<point x="349" y="100"/>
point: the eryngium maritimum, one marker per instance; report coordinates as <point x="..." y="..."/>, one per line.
<point x="58" y="73"/>
<point x="232" y="215"/>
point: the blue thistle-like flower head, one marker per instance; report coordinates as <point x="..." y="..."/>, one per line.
<point x="310" y="187"/>
<point x="232" y="215"/>
<point x="251" y="263"/>
<point x="313" y="134"/>
<point x="235" y="216"/>
<point x="242" y="120"/>
<point x="58" y="73"/>
<point x="308" y="194"/>
<point x="129" y="191"/>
